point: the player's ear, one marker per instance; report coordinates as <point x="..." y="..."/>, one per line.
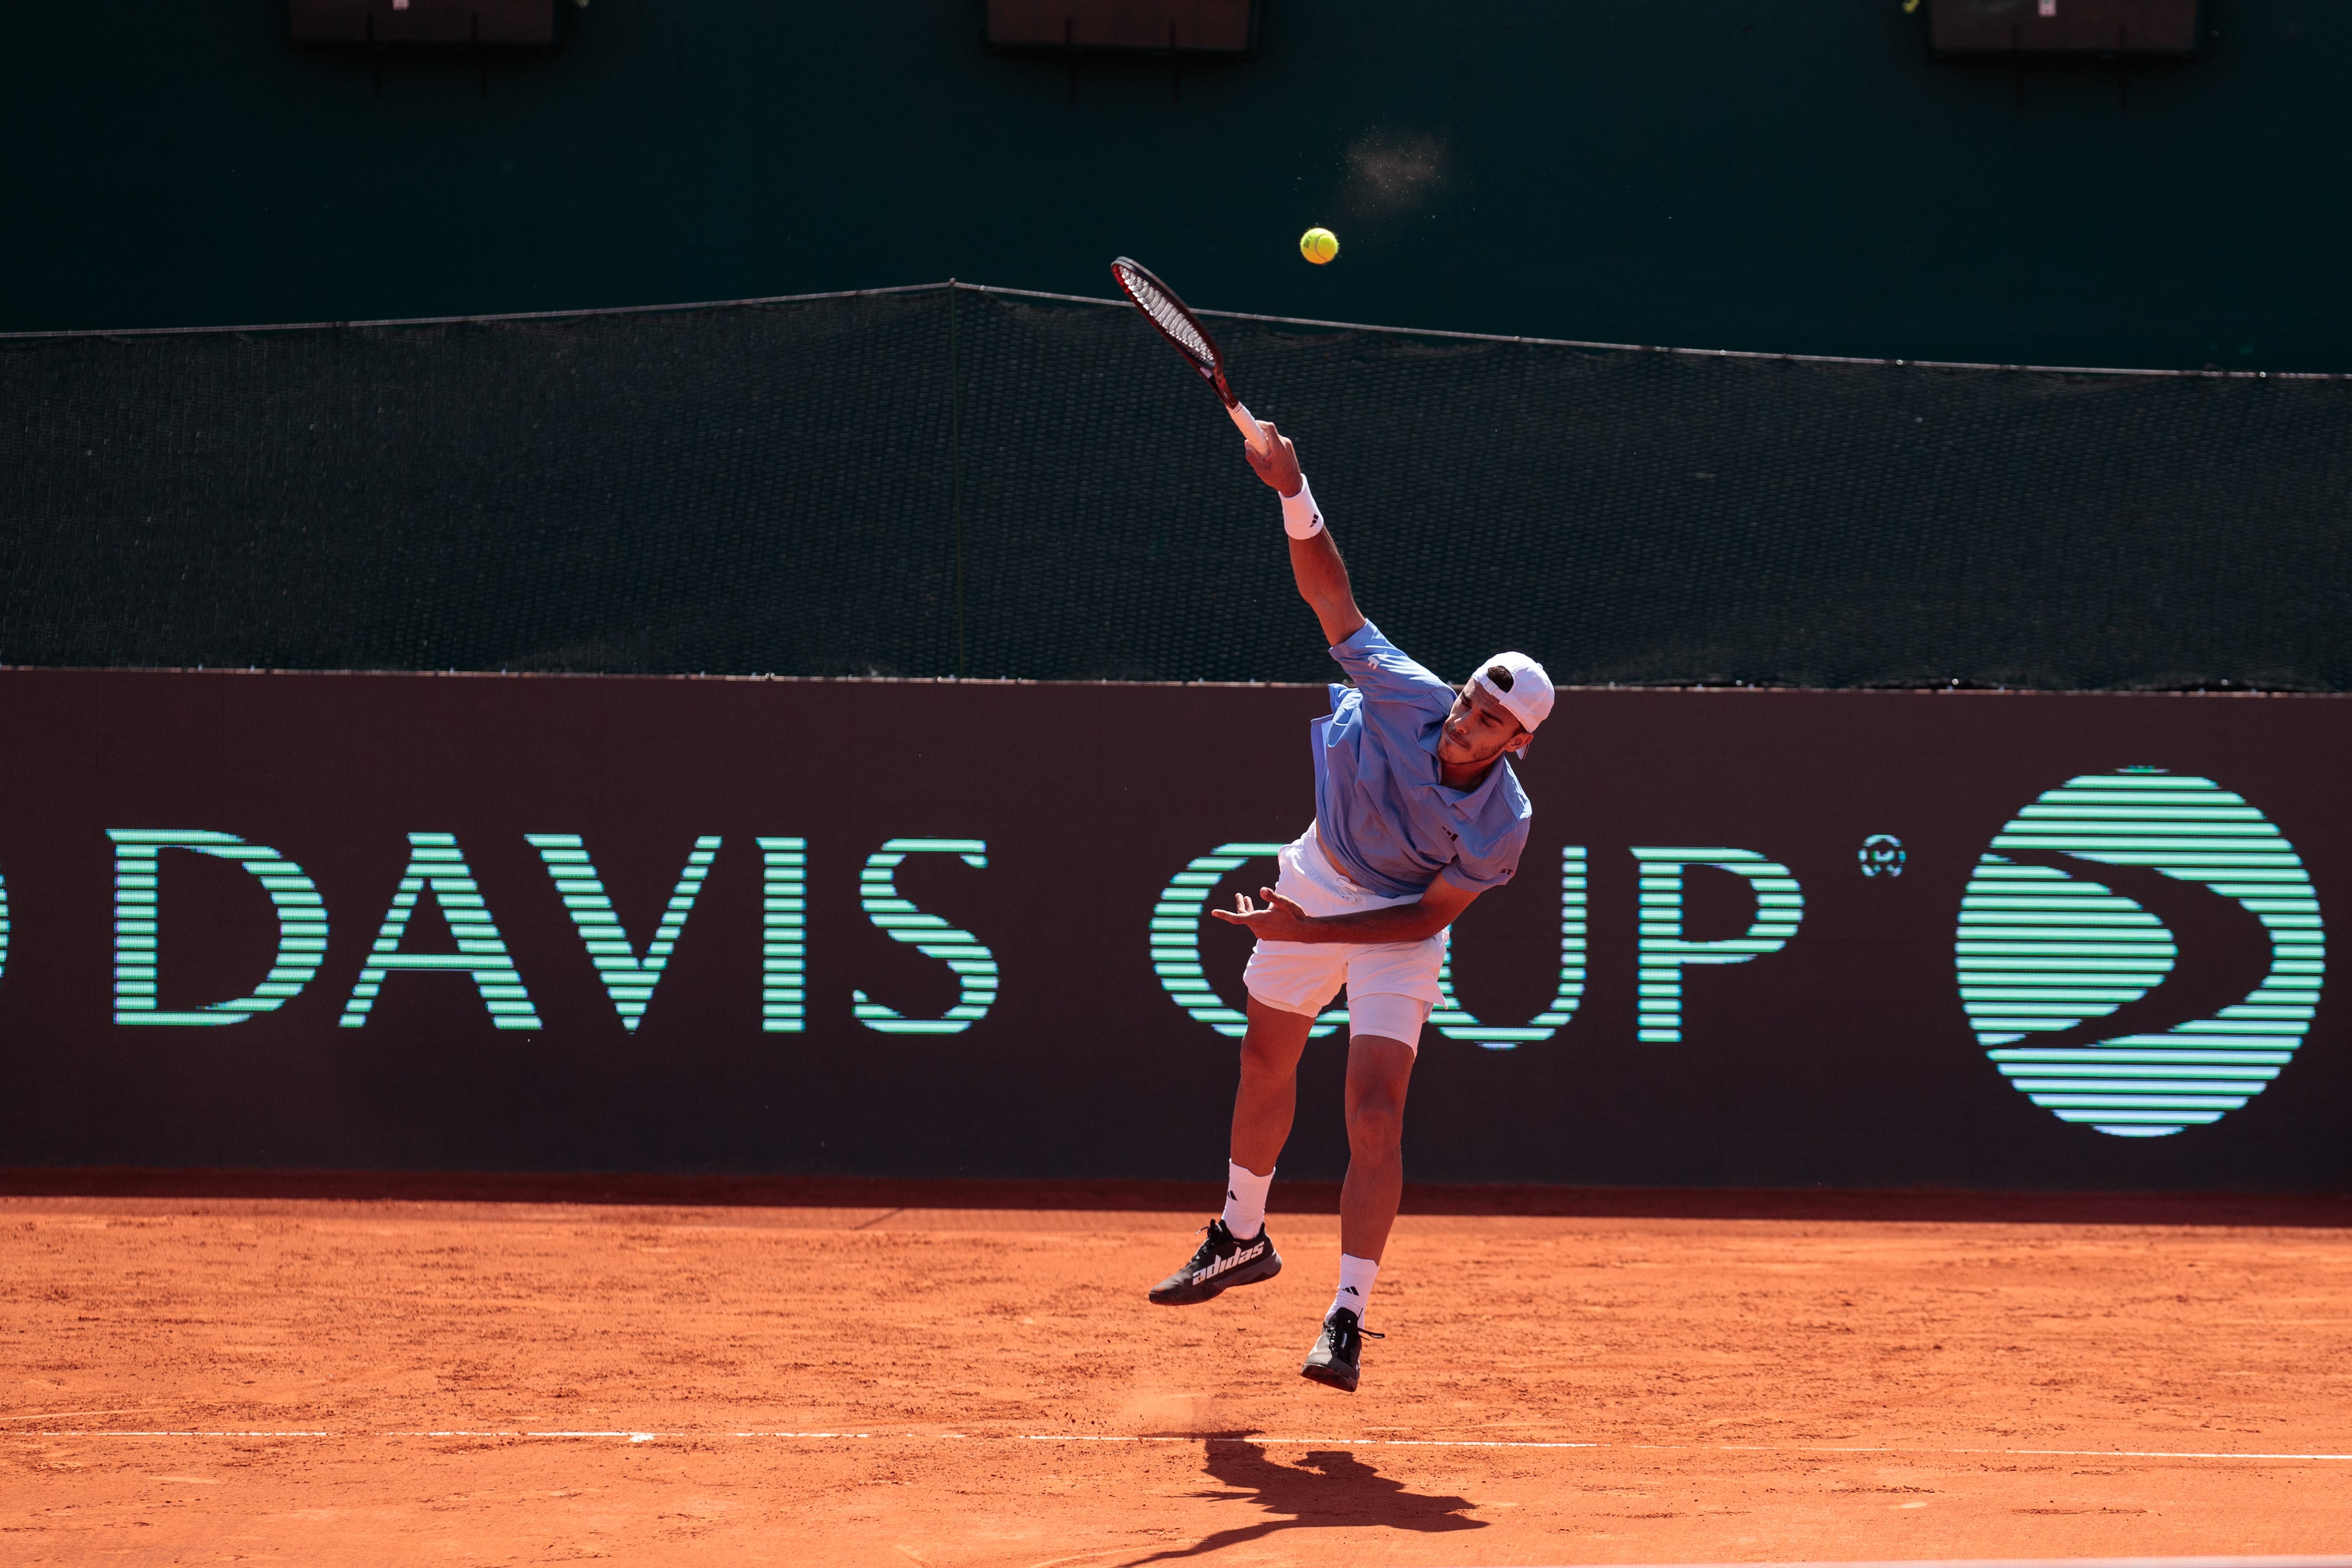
<point x="1517" y="744"/>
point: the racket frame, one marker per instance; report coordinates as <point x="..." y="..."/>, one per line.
<point x="1126" y="272"/>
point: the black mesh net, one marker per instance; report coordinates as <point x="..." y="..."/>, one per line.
<point x="937" y="481"/>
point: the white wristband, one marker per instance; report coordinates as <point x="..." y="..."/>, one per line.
<point x="1301" y="517"/>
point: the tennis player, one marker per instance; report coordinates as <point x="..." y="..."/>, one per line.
<point x="1417" y="812"/>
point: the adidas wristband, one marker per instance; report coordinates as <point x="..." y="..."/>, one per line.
<point x="1301" y="517"/>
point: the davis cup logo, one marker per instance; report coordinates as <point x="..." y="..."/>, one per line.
<point x="2140" y="953"/>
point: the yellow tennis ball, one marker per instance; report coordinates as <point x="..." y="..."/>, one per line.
<point x="1319" y="245"/>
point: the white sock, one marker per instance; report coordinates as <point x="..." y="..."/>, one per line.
<point x="1246" y="1201"/>
<point x="1356" y="1276"/>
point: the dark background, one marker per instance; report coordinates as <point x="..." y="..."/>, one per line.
<point x="1842" y="1060"/>
<point x="1722" y="173"/>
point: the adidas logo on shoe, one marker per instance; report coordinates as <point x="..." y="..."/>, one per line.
<point x="1222" y="1263"/>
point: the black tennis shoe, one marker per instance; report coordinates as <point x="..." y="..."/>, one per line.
<point x="1222" y="1263"/>
<point x="1337" y="1358"/>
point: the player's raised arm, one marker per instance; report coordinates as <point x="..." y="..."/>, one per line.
<point x="1313" y="559"/>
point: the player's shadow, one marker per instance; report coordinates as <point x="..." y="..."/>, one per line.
<point x="1325" y="1490"/>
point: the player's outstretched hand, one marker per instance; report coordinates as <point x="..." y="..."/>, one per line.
<point x="1279" y="465"/>
<point x="1280" y="920"/>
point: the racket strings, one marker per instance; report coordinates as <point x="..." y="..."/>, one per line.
<point x="1170" y="318"/>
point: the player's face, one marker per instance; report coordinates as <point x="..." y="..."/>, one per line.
<point x="1478" y="731"/>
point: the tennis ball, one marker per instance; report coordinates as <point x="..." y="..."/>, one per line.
<point x="1319" y="245"/>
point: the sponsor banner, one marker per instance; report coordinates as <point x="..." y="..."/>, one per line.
<point x="1760" y="938"/>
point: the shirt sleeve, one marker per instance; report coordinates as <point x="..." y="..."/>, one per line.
<point x="1485" y="863"/>
<point x="1383" y="674"/>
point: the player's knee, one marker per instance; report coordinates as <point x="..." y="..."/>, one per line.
<point x="1266" y="1057"/>
<point x="1375" y="1127"/>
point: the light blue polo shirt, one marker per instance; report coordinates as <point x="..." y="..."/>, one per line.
<point x="1380" y="811"/>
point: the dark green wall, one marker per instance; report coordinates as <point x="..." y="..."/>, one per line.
<point x="1720" y="173"/>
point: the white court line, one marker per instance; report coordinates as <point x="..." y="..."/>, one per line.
<point x="1680" y="1448"/>
<point x="1343" y="1442"/>
<point x="174" y="1435"/>
<point x="2138" y="1454"/>
<point x="1260" y="1441"/>
<point x="461" y="1432"/>
<point x="2069" y="1563"/>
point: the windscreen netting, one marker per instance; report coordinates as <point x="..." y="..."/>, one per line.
<point x="958" y="481"/>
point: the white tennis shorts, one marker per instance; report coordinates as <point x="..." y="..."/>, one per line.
<point x="1391" y="986"/>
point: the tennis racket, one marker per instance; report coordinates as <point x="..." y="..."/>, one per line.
<point x="1169" y="316"/>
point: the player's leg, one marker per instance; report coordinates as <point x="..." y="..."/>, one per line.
<point x="1290" y="983"/>
<point x="1266" y="1099"/>
<point x="1379" y="1073"/>
<point x="1236" y="1248"/>
<point x="1380" y="1053"/>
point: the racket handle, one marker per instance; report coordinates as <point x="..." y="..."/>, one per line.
<point x="1250" y="431"/>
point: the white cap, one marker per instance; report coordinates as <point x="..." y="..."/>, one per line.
<point x="1524" y="690"/>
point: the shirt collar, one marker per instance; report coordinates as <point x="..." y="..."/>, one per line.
<point x="1468" y="800"/>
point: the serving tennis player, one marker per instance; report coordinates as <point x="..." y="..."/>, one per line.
<point x="1417" y="812"/>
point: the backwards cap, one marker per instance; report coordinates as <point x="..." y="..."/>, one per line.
<point x="1522" y="686"/>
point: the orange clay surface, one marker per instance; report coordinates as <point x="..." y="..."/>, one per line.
<point x="327" y="1381"/>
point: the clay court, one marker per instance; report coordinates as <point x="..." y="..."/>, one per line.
<point x="413" y="1374"/>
